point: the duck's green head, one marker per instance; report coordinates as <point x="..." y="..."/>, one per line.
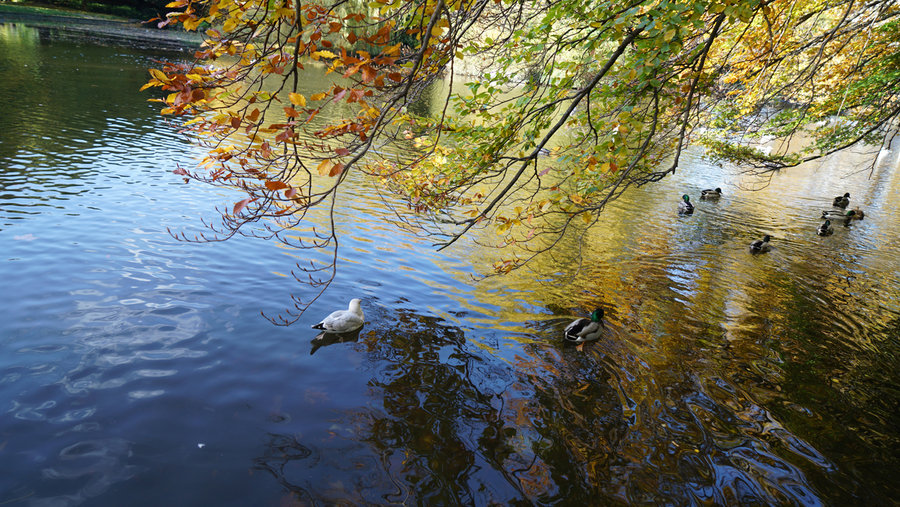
<point x="686" y="198"/>
<point x="827" y="223"/>
<point x="851" y="213"/>
<point x="597" y="314"/>
<point x="766" y="238"/>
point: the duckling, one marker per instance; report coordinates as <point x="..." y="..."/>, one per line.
<point x="685" y="205"/>
<point x="343" y="321"/>
<point x="711" y="193"/>
<point x="841" y="201"/>
<point x="760" y="245"/>
<point x="585" y="330"/>
<point x="838" y="215"/>
<point x="825" y="229"/>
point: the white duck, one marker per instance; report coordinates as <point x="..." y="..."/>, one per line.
<point x="343" y="321"/>
<point x="585" y="330"/>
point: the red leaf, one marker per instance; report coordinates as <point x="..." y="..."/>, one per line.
<point x="290" y="193"/>
<point x="238" y="206"/>
<point x="342" y="152"/>
<point x="180" y="171"/>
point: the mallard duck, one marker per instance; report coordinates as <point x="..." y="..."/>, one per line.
<point x="585" y="330"/>
<point x="838" y="215"/>
<point x="857" y="214"/>
<point x="685" y="205"/>
<point x="825" y="229"/>
<point x="841" y="201"/>
<point x="343" y="321"/>
<point x="760" y="245"/>
<point x="711" y="193"/>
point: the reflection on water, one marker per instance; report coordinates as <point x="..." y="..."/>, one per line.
<point x="136" y="369"/>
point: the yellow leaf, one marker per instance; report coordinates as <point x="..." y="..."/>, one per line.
<point x="298" y="99"/>
<point x="670" y="33"/>
<point x="318" y="96"/>
<point x="159" y="75"/>
<point x="323" y="54"/>
<point x="324" y="167"/>
<point x="586" y="217"/>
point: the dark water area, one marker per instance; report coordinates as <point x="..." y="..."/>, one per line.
<point x="136" y="369"/>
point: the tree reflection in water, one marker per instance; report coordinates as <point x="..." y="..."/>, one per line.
<point x="449" y="423"/>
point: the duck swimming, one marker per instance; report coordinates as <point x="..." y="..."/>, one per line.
<point x="343" y="321"/>
<point x="841" y="201"/>
<point x="711" y="193"/>
<point x="685" y="205"/>
<point x="838" y="215"/>
<point x="760" y="245"/>
<point x="585" y="330"/>
<point x="825" y="229"/>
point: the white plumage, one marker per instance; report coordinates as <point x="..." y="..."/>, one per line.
<point x="343" y="321"/>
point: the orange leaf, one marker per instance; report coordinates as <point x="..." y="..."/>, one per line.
<point x="290" y="112"/>
<point x="276" y="185"/>
<point x="351" y="38"/>
<point x="395" y="76"/>
<point x="342" y="152"/>
<point x="253" y="115"/>
<point x="336" y="169"/>
<point x="368" y="74"/>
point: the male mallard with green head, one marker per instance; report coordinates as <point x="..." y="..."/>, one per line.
<point x="685" y="205"/>
<point x="585" y="330"/>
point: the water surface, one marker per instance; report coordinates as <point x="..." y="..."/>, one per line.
<point x="136" y="369"/>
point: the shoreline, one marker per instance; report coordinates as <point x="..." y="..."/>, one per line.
<point x="98" y="28"/>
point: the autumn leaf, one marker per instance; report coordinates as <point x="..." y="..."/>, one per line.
<point x="324" y="168"/>
<point x="368" y="73"/>
<point x="323" y="54"/>
<point x="276" y="185"/>
<point x="238" y="206"/>
<point x="298" y="99"/>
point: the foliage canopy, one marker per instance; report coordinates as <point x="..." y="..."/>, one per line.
<point x="612" y="91"/>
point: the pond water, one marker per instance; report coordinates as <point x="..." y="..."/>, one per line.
<point x="137" y="370"/>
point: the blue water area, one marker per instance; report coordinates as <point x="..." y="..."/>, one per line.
<point x="137" y="369"/>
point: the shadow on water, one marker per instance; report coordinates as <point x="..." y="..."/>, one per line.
<point x="447" y="424"/>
